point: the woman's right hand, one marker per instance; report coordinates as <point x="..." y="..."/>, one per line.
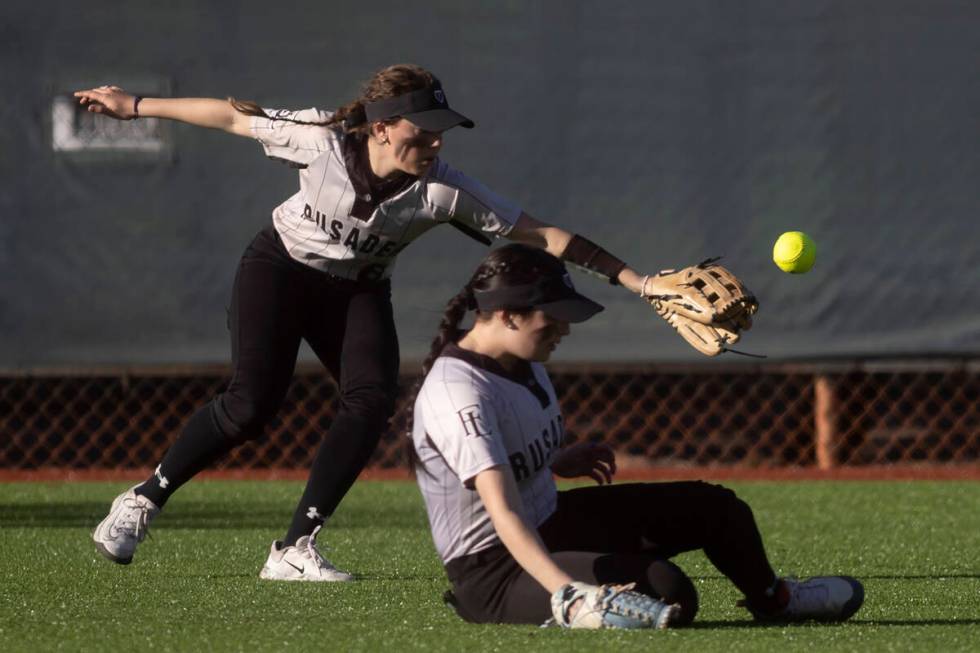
<point x="110" y="101"/>
<point x="596" y="460"/>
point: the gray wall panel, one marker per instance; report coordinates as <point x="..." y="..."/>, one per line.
<point x="667" y="131"/>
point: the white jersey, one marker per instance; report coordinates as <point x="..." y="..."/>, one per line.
<point x="316" y="225"/>
<point x="471" y="415"/>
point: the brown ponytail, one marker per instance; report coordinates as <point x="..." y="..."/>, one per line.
<point x="386" y="83"/>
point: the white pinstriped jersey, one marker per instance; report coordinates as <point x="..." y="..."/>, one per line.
<point x="471" y="415"/>
<point x="316" y="225"/>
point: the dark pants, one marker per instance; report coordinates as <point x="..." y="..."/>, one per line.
<point x="277" y="302"/>
<point x="621" y="534"/>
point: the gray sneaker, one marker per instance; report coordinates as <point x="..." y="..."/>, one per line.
<point x="125" y="526"/>
<point x="821" y="598"/>
<point x="301" y="561"/>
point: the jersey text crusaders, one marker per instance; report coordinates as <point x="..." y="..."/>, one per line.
<point x="316" y="225"/>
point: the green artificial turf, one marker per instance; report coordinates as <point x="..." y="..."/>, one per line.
<point x="194" y="586"/>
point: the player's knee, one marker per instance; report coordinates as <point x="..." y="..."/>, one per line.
<point x="242" y="418"/>
<point x="687" y="599"/>
<point x="720" y="503"/>
<point x="672" y="585"/>
<point x="716" y="494"/>
<point x="739" y="511"/>
<point x="370" y="402"/>
<point x="731" y="509"/>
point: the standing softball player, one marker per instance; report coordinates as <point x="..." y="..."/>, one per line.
<point x="487" y="436"/>
<point x="370" y="182"/>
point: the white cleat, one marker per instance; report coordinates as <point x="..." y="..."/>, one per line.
<point x="126" y="525"/>
<point x="822" y="598"/>
<point x="301" y="562"/>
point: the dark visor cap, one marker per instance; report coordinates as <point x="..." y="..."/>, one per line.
<point x="426" y="108"/>
<point x="555" y="296"/>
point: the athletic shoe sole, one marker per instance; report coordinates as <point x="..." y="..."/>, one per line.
<point x="266" y="574"/>
<point x="108" y="556"/>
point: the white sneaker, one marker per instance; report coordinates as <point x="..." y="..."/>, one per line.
<point x="301" y="562"/>
<point x="125" y="526"/>
<point x="822" y="598"/>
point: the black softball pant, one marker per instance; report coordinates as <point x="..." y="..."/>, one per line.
<point x="623" y="533"/>
<point x="276" y="303"/>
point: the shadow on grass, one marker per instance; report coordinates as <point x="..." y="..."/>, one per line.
<point x="920" y="577"/>
<point x="975" y="576"/>
<point x="749" y="623"/>
<point x="205" y="515"/>
<point x="208" y="576"/>
<point x="741" y="623"/>
<point x="915" y="622"/>
<point x="396" y="577"/>
<point x="89" y="513"/>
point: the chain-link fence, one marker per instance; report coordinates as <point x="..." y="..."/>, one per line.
<point x="744" y="417"/>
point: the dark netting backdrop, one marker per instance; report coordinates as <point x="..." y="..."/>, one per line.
<point x="746" y="418"/>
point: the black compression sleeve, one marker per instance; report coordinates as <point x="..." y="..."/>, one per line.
<point x="585" y="254"/>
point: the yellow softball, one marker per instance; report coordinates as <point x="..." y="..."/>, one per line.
<point x="794" y="252"/>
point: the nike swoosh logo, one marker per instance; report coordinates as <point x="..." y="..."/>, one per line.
<point x="299" y="569"/>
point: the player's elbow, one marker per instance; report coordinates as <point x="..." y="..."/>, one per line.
<point x="239" y="124"/>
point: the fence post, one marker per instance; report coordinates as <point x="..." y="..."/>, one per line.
<point x="825" y="420"/>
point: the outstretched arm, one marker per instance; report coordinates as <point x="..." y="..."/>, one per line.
<point x="706" y="304"/>
<point x="498" y="491"/>
<point x="555" y="240"/>
<point x="116" y="103"/>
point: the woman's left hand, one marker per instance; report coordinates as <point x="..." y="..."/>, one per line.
<point x="592" y="459"/>
<point x="110" y="101"/>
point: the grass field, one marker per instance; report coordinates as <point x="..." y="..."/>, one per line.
<point x="193" y="585"/>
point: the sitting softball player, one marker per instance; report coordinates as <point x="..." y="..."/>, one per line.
<point x="487" y="437"/>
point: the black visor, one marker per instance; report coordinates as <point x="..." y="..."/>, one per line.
<point x="553" y="295"/>
<point x="426" y="108"/>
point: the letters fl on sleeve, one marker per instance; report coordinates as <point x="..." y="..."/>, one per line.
<point x="462" y="425"/>
<point x="285" y="139"/>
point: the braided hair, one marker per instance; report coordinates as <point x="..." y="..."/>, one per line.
<point x="511" y="265"/>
